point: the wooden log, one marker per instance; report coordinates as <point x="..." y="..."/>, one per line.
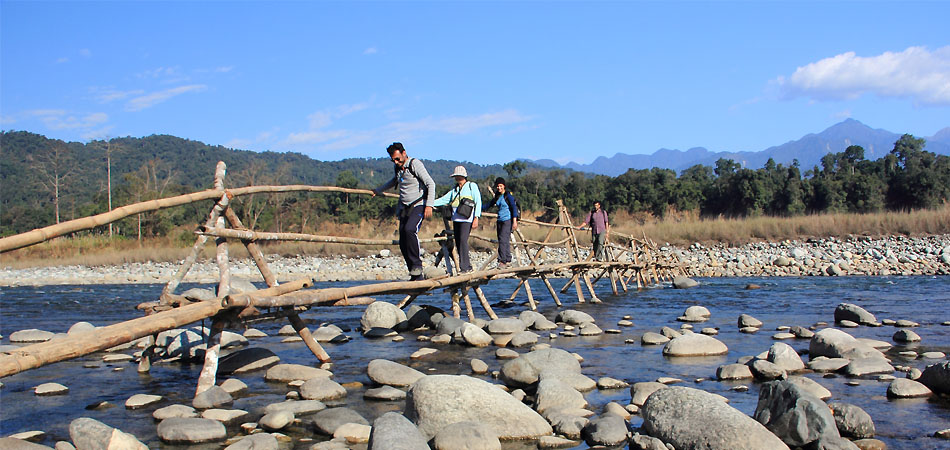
<point x="590" y="288"/>
<point x="547" y="283"/>
<point x="308" y="339"/>
<point x="468" y="306"/>
<point x="484" y="301"/>
<point x="221" y="256"/>
<point x="253" y="249"/>
<point x="206" y="379"/>
<point x="517" y="289"/>
<point x="527" y="290"/>
<point x="200" y="241"/>
<point x="406" y="301"/>
<point x="299" y="237"/>
<point x="247" y="298"/>
<point x="36" y="355"/>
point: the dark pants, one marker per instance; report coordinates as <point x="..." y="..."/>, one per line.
<point x="462" y="230"/>
<point x="503" y="228"/>
<point x="409" y="238"/>
<point x="599" y="252"/>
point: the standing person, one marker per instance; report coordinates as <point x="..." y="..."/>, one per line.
<point x="416" y="196"/>
<point x="508" y="215"/>
<point x="600" y="227"/>
<point x="466" y="204"/>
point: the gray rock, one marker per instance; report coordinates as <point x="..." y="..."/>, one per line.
<point x="328" y="420"/>
<point x="479" y="366"/>
<point x="174" y="411"/>
<point x="643" y="442"/>
<point x="834" y="343"/>
<point x="257" y="441"/>
<point x="526" y="369"/>
<point x="784" y="356"/>
<point x="12" y="443"/>
<point x="574" y="317"/>
<point x="794" y="415"/>
<point x="608" y="430"/>
<point x="449" y="325"/>
<point x="384" y="371"/>
<point x="233" y="386"/>
<point x="825" y="364"/>
<point x="906" y="388"/>
<point x="746" y="320"/>
<point x="937" y="377"/>
<point x="383" y="315"/>
<point x="611" y="383"/>
<point x="854" y="313"/>
<point x="867" y="366"/>
<point x="530" y="317"/>
<point x="322" y="389"/>
<point x="506" y="325"/>
<point x="639" y="392"/>
<point x="225" y="416"/>
<point x="651" y="338"/>
<point x="695" y="345"/>
<point x="240" y="286"/>
<point x="695" y="313"/>
<point x="186" y="345"/>
<point x="906" y="336"/>
<point x="296" y="407"/>
<point x="466" y="436"/>
<point x="329" y="333"/>
<point x="473" y="400"/>
<point x="276" y="420"/>
<point x="578" y="381"/>
<point x="684" y="282"/>
<point x="670" y="333"/>
<point x="683" y="417"/>
<point x="811" y="386"/>
<point x="80" y="327"/>
<point x="781" y="261"/>
<point x="137" y="401"/>
<point x="552" y="442"/>
<point x="31" y="335"/>
<point x="46" y="389"/>
<point x="852" y="421"/>
<point x="290" y="372"/>
<point x="567" y="424"/>
<point x="385" y="393"/>
<point x="801" y="332"/>
<point x="906" y="323"/>
<point x="733" y="372"/>
<point x="190" y="431"/>
<point x="474" y="336"/>
<point x="213" y="397"/>
<point x="765" y="370"/>
<point x="392" y="431"/>
<point x="87" y="433"/>
<point x="523" y="339"/>
<point x="556" y="394"/>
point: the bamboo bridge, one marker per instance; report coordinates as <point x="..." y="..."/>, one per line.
<point x="637" y="261"/>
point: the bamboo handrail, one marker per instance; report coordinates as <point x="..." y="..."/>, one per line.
<point x="300" y="237"/>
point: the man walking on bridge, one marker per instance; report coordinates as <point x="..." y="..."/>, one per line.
<point x="416" y="195"/>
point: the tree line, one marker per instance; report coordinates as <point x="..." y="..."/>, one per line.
<point x="45" y="181"/>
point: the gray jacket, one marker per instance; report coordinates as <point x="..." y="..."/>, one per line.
<point x="414" y="183"/>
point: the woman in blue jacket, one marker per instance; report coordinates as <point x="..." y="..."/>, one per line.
<point x="466" y="204"/>
<point x="508" y="215"/>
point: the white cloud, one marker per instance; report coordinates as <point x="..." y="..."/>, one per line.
<point x="161" y="72"/>
<point x="915" y="73"/>
<point x="315" y="137"/>
<point x="57" y="119"/>
<point x="461" y="125"/>
<point x="238" y="143"/>
<point x="111" y="95"/>
<point x="370" y="51"/>
<point x="149" y="100"/>
<point x="101" y="133"/>
<point x="843" y="114"/>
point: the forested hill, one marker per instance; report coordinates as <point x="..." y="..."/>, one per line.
<point x="161" y="165"/>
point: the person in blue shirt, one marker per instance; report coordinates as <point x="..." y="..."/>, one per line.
<point x="466" y="203"/>
<point x="508" y="215"/>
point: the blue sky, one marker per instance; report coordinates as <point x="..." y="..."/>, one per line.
<point x="486" y="82"/>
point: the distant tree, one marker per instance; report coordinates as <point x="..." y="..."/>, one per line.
<point x="54" y="166"/>
<point x="515" y="168"/>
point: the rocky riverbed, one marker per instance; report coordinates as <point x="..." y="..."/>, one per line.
<point x="894" y="255"/>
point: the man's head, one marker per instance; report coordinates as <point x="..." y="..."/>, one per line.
<point x="596" y="206"/>
<point x="397" y="153"/>
<point x="500" y="185"/>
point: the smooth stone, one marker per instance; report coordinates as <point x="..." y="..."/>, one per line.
<point x="590" y="329"/>
<point x="422" y="352"/>
<point x="733" y="372"/>
<point x="709" y="331"/>
<point x="12" y="443"/>
<point x="527" y="368"/>
<point x="385" y="393"/>
<point x="684" y="282"/>
<point x="624" y="323"/>
<point x="506" y="353"/>
<point x="765" y="370"/>
<point x="296" y="407"/>
<point x="670" y="333"/>
<point x="213" y="397"/>
<point x="556" y="394"/>
<point x="783" y="336"/>
<point x="825" y="364"/>
<point x="142" y="400"/>
<point x="257" y="441"/>
<point x="191" y="430"/>
<point x="811" y="386"/>
<point x="933" y="355"/>
<point x="566" y="423"/>
<point x="694" y="345"/>
<point x="31" y="335"/>
<point x="472" y="400"/>
<point x="617" y="409"/>
<point x="225" y="416"/>
<point x="383" y="371"/>
<point x="848" y="324"/>
<point x="749" y="330"/>
<point x="906" y="323"/>
<point x="835" y="343"/>
<point x="639" y="392"/>
<point x="607" y="430"/>
<point x="907" y="388"/>
<point x="50" y="389"/>
<point x="683" y="418"/>
<point x="353" y="433"/>
<point x="276" y="420"/>
<point x="328" y="420"/>
<point x="233" y="386"/>
<point x="87" y="433"/>
<point x="905" y="336"/>
<point x="173" y="411"/>
<point x="290" y="372"/>
<point x="801" y="332"/>
<point x="853" y="313"/>
<point x="322" y="389"/>
<point x="441" y="339"/>
<point x="467" y="436"/>
<point x="695" y="313"/>
<point x="784" y="356"/>
<point x="554" y="442"/>
<point x="574" y="317"/>
<point x="794" y="415"/>
<point x="611" y="383"/>
<point x="383" y="315"/>
<point x="479" y="367"/>
<point x="870" y="444"/>
<point x="506" y="325"/>
<point x="867" y="366"/>
<point x="852" y="421"/>
<point x="393" y="431"/>
<point x="651" y="338"/>
<point x="937" y="377"/>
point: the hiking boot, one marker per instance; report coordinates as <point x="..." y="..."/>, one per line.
<point x="502" y="265"/>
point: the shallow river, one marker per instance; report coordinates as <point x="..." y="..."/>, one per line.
<point x="902" y="424"/>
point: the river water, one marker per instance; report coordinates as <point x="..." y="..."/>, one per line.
<point x="902" y="424"/>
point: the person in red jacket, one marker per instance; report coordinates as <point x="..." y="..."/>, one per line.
<point x="600" y="227"/>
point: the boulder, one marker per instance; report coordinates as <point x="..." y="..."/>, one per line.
<point x="906" y="336"/>
<point x="639" y="392"/>
<point x="811" y="386"/>
<point x="383" y="315"/>
<point x="746" y="320"/>
<point x="321" y="389"/>
<point x="525" y="338"/>
<point x="526" y="369"/>
<point x="567" y="423"/>
<point x="472" y="400"/>
<point x="473" y="335"/>
<point x="795" y="415"/>
<point x="190" y="431"/>
<point x="607" y="430"/>
<point x="47" y="389"/>
<point x="466" y="436"/>
<point x="854" y="313"/>
<point x="651" y="338"/>
<point x="556" y="394"/>
<point x="695" y="313"/>
<point x="385" y="393"/>
<point x="765" y="370"/>
<point x="695" y="345"/>
<point x="174" y="411"/>
<point x="247" y="360"/>
<point x="937" y="377"/>
<point x="574" y="317"/>
<point x="276" y="420"/>
<point x="257" y="441"/>
<point x="225" y="416"/>
<point x="87" y="433"/>
<point x="906" y="388"/>
<point x="137" y="401"/>
<point x="296" y="407"/>
<point x="290" y="372"/>
<point x="733" y="372"/>
<point x="684" y="283"/>
<point x="213" y="397"/>
<point x="867" y="366"/>
<point x="384" y="371"/>
<point x="328" y="420"/>
<point x="12" y="443"/>
<point x="506" y="325"/>
<point x="784" y="356"/>
<point x="852" y="421"/>
<point x="393" y="431"/>
<point x="825" y="364"/>
<point x="834" y="343"/>
<point x="80" y="327"/>
<point x="685" y="418"/>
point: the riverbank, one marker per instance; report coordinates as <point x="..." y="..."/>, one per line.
<point x="894" y="255"/>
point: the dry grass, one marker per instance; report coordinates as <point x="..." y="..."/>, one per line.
<point x="680" y="229"/>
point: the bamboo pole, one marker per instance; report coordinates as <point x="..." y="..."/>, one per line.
<point x="221" y="256"/>
<point x="299" y="237"/>
<point x="484" y="301"/>
<point x="206" y="379"/>
<point x="468" y="305"/>
<point x="308" y="339"/>
<point x="527" y="290"/>
<point x="547" y="283"/>
<point x="517" y="289"/>
<point x="253" y="249"/>
<point x="200" y="241"/>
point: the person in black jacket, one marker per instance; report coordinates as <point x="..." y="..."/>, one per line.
<point x="508" y="215"/>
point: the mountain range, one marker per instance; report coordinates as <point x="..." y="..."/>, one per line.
<point x="808" y="151"/>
